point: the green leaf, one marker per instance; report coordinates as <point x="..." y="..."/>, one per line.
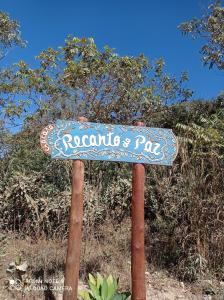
<point x="117" y="297"/>
<point x="111" y="291"/>
<point x="110" y="279"/>
<point x="104" y="290"/>
<point x="99" y="280"/>
<point x="95" y="292"/>
<point x="122" y="296"/>
<point x="92" y="279"/>
<point x="85" y="295"/>
<point x="112" y="286"/>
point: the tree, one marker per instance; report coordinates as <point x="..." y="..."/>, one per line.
<point x="79" y="79"/>
<point x="211" y="28"/>
<point x="209" y="130"/>
<point x="9" y="34"/>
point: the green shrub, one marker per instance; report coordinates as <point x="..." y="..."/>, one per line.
<point x="103" y="289"/>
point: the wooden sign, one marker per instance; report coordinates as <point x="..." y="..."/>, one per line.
<point x="94" y="141"/>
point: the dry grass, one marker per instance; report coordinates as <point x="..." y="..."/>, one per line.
<point x="105" y="249"/>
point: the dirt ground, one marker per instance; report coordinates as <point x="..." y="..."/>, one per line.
<point x="30" y="285"/>
<point x="159" y="287"/>
<point x="162" y="287"/>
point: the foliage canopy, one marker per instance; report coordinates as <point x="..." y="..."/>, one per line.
<point x="211" y="28"/>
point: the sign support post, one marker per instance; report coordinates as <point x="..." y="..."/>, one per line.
<point x="137" y="234"/>
<point x="75" y="230"/>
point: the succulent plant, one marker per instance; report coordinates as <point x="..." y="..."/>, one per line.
<point x="103" y="289"/>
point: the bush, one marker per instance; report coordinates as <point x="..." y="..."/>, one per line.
<point x="103" y="289"/>
<point x="183" y="204"/>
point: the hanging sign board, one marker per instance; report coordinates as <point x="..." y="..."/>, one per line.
<point x="94" y="141"/>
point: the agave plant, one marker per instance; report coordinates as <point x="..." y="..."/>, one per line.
<point x="103" y="289"/>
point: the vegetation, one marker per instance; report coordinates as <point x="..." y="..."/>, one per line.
<point x="210" y="28"/>
<point x="9" y="34"/>
<point x="103" y="289"/>
<point x="183" y="204"/>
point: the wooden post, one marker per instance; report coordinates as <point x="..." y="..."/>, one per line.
<point x="137" y="235"/>
<point x="75" y="230"/>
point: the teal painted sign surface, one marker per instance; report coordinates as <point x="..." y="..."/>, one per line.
<point x="95" y="141"/>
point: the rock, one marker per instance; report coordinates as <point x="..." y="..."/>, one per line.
<point x="11" y="281"/>
<point x="23" y="267"/>
<point x="182" y="284"/>
<point x="12" y="267"/>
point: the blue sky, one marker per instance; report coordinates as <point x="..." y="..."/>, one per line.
<point x="132" y="27"/>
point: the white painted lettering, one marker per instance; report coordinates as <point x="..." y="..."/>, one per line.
<point x="148" y="146"/>
<point x="157" y="146"/>
<point x="126" y="143"/>
<point x="101" y="139"/>
<point x="77" y="140"/>
<point x="67" y="138"/>
<point x="109" y="138"/>
<point x="92" y="140"/>
<point x="140" y="140"/>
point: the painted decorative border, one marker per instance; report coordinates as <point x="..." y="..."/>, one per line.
<point x="44" y="138"/>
